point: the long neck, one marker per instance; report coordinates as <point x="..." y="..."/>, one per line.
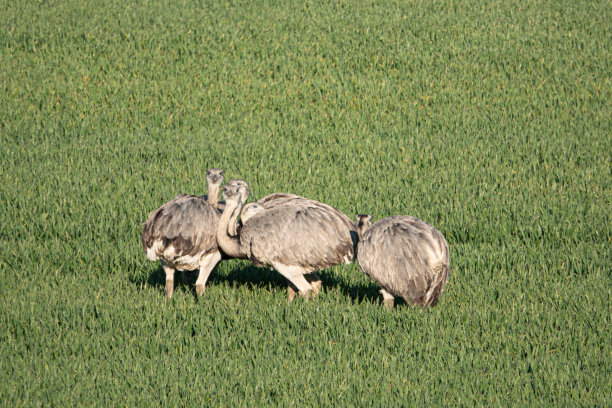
<point x="228" y="244"/>
<point x="232" y="228"/>
<point x="360" y="228"/>
<point x="213" y="195"/>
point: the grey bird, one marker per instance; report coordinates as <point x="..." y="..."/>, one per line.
<point x="406" y="256"/>
<point x="295" y="235"/>
<point x="283" y="199"/>
<point x="181" y="234"/>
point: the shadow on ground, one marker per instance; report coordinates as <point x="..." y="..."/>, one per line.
<point x="262" y="278"/>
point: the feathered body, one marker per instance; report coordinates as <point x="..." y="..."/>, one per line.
<point x="298" y="231"/>
<point x="407" y="257"/>
<point x="294" y="235"/>
<point x="174" y="235"/>
<point x="181" y="234"/>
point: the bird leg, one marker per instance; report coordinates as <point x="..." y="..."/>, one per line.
<point x="169" y="280"/>
<point x="292" y="292"/>
<point x="315" y="283"/>
<point x="388" y="299"/>
<point x="295" y="275"/>
<point x="207" y="264"/>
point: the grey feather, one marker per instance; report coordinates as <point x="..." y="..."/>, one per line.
<point x="302" y="233"/>
<point x="293" y="234"/>
<point x="187" y="223"/>
<point x="181" y="234"/>
<point x="407" y="257"/>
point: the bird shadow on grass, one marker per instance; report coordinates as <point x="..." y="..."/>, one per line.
<point x="256" y="277"/>
<point x="157" y="278"/>
<point x="250" y="275"/>
<point x="369" y="292"/>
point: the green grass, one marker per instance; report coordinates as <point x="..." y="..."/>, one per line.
<point x="490" y="120"/>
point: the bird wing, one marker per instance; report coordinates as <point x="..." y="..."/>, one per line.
<point x="298" y="232"/>
<point x="187" y="223"/>
<point x="278" y="199"/>
<point x="400" y="253"/>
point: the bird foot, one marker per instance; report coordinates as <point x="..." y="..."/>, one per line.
<point x="316" y="287"/>
<point x="307" y="294"/>
<point x="291" y="294"/>
<point x="388" y="299"/>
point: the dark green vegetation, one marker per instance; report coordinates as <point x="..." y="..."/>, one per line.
<point x="488" y="119"/>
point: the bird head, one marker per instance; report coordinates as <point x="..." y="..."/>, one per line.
<point x="234" y="192"/>
<point x="214" y="176"/>
<point x="243" y="188"/>
<point x="362" y="223"/>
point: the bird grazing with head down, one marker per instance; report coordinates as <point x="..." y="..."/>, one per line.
<point x="406" y="256"/>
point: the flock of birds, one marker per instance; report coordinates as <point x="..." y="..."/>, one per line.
<point x="297" y="237"/>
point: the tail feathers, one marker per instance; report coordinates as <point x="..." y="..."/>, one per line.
<point x="441" y="272"/>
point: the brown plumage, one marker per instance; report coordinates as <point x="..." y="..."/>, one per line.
<point x="181" y="234"/>
<point x="406" y="256"/>
<point x="292" y="234"/>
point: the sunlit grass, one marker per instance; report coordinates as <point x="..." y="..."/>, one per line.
<point x="489" y="120"/>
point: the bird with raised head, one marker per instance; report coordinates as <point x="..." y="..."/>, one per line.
<point x="181" y="234"/>
<point x="295" y="237"/>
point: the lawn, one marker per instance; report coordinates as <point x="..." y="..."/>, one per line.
<point x="490" y="120"/>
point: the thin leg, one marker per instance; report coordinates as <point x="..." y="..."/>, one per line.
<point x="169" y="280"/>
<point x="315" y="283"/>
<point x="295" y="275"/>
<point x="292" y="292"/>
<point x="207" y="264"/>
<point x="388" y="299"/>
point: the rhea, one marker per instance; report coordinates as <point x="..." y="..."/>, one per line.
<point x="295" y="237"/>
<point x="285" y="199"/>
<point x="181" y="234"/>
<point x="408" y="257"/>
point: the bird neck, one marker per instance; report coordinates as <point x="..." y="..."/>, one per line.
<point x="232" y="227"/>
<point x="229" y="245"/>
<point x="213" y="195"/>
<point x="360" y="228"/>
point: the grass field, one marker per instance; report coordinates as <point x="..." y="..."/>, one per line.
<point x="490" y="120"/>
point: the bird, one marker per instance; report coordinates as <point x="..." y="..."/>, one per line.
<point x="181" y="234"/>
<point x="408" y="258"/>
<point x="295" y="235"/>
<point x="279" y="199"/>
<point x="250" y="210"/>
<point x="233" y="228"/>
